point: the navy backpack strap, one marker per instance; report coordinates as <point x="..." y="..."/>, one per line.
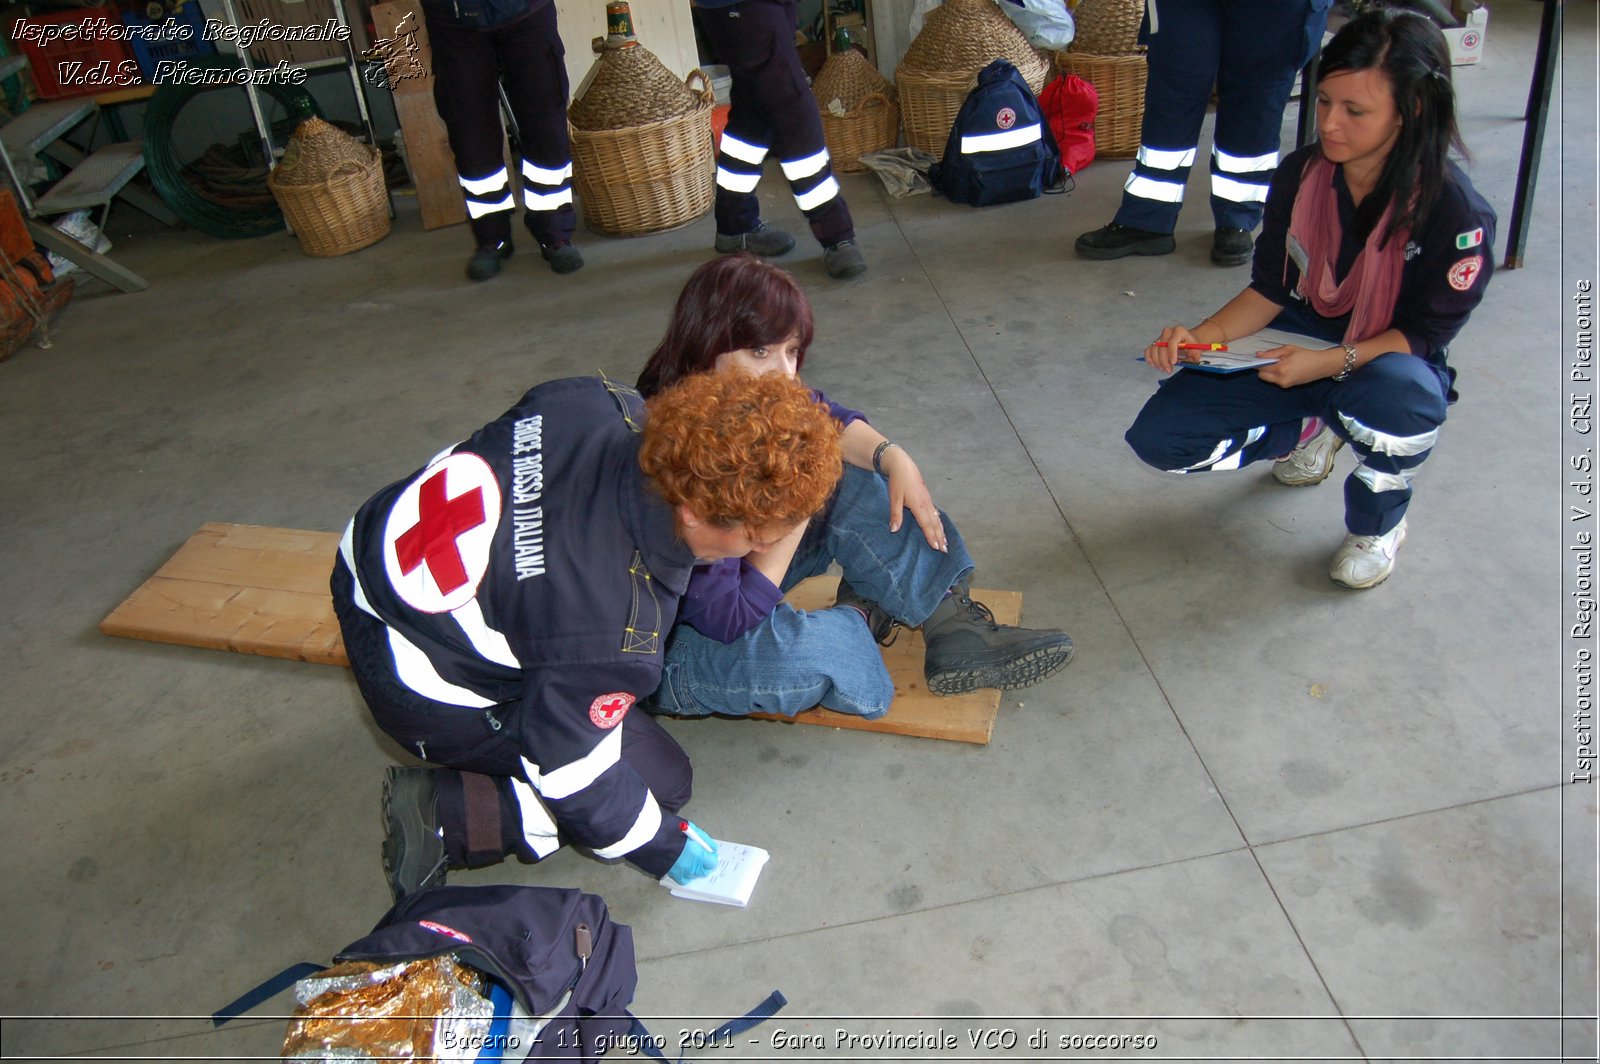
<point x="740" y="1024"/>
<point x="269" y="989"/>
<point x="640" y="1036"/>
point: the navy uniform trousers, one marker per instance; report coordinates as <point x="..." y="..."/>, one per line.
<point x="469" y="65"/>
<point x="1388" y="411"/>
<point x="772" y="109"/>
<point x="481" y="804"/>
<point x="1251" y="51"/>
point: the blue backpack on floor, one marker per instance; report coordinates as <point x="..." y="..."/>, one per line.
<point x="561" y="971"/>
<point x="1000" y="149"/>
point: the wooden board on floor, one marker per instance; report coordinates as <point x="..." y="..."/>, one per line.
<point x="249" y="588"/>
<point x="261" y="590"/>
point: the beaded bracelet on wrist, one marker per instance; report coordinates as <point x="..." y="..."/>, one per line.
<point x="877" y="456"/>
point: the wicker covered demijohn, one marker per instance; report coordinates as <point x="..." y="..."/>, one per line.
<point x="1106" y="53"/>
<point x="958" y="39"/>
<point x="859" y="112"/>
<point x="330" y="188"/>
<point x="1107" y="27"/>
<point x="642" y="154"/>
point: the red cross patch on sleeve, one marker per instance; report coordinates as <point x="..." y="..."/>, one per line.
<point x="1465" y="272"/>
<point x="607" y="711"/>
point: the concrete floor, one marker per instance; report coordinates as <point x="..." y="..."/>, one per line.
<point x="1259" y="817"/>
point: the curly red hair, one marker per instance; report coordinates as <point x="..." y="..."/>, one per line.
<point x="740" y="449"/>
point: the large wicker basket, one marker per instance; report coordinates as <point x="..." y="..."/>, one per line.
<point x="873" y="126"/>
<point x="1119" y="79"/>
<point x="650" y="177"/>
<point x="859" y="113"/>
<point x="1107" y="27"/>
<point x="958" y="39"/>
<point x="330" y="189"/>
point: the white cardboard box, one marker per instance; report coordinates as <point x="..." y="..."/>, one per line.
<point x="1466" y="43"/>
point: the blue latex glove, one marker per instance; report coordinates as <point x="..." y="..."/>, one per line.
<point x="699" y="856"/>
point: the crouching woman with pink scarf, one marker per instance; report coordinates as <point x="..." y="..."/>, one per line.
<point x="1373" y="241"/>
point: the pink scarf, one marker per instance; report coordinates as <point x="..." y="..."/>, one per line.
<point x="1369" y="291"/>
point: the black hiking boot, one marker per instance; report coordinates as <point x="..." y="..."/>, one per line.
<point x="968" y="650"/>
<point x="1115" y="241"/>
<point x="485" y="262"/>
<point x="413" y="842"/>
<point x="882" y="625"/>
<point x="1231" y="247"/>
<point x="761" y="240"/>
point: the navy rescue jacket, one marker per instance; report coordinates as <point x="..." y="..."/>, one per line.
<point x="532" y="570"/>
<point x="1448" y="262"/>
<point x="481" y="14"/>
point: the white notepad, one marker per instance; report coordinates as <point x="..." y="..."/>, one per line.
<point x="1241" y="353"/>
<point x="731" y="882"/>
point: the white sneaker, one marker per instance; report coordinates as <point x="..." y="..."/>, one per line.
<point x="1367" y="561"/>
<point x="1310" y="462"/>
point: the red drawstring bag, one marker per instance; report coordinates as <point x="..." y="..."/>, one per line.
<point x="1069" y="104"/>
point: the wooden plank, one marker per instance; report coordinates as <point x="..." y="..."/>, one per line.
<point x="440" y="198"/>
<point x="249" y="620"/>
<point x="246" y="588"/>
<point x="261" y="590"/>
<point x="281" y="559"/>
<point x="433" y="165"/>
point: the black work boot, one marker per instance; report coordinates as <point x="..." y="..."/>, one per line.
<point x="563" y="258"/>
<point x="1231" y="247"/>
<point x="844" y="260"/>
<point x="485" y="262"/>
<point x="968" y="650"/>
<point x="881" y="624"/>
<point x="761" y="240"/>
<point x="1114" y="241"/>
<point x="413" y="841"/>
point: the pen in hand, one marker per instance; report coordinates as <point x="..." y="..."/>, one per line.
<point x="1202" y="347"/>
<point x="694" y="833"/>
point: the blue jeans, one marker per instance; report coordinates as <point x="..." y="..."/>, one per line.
<point x="797" y="659"/>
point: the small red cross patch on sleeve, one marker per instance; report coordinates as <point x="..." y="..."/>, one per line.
<point x="1463" y="273"/>
<point x="607" y="711"/>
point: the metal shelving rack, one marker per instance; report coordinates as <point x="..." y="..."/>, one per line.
<point x="350" y="61"/>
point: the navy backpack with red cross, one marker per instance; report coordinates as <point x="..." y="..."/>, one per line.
<point x="1000" y="149"/>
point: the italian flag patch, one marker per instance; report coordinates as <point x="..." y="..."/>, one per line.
<point x="1470" y="239"/>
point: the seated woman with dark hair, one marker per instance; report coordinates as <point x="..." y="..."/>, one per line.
<point x="738" y="648"/>
<point x="505" y="606"/>
<point x="1375" y="244"/>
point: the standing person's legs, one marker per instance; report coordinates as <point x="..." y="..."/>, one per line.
<point x="745" y="140"/>
<point x="1184" y="46"/>
<point x="756" y="40"/>
<point x="531" y="55"/>
<point x="1263" y="47"/>
<point x="466" y="92"/>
